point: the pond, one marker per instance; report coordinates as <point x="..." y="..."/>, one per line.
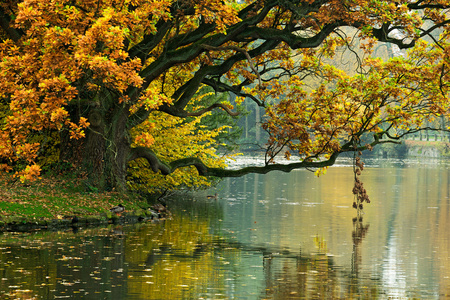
<point x="274" y="236"/>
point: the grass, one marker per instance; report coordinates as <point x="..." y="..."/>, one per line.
<point x="53" y="198"/>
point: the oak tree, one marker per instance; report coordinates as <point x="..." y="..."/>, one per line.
<point x="95" y="71"/>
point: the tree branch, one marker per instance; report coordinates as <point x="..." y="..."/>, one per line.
<point x="294" y="40"/>
<point x="5" y="24"/>
<point x="142" y="49"/>
<point x="185" y="92"/>
<point x="382" y="33"/>
<point x="204" y="170"/>
<point x="237" y="49"/>
<point x="235" y="89"/>
<point x="419" y="6"/>
<point x="155" y="163"/>
<point x="215" y="105"/>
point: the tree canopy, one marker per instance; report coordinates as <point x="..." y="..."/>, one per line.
<point x="104" y="74"/>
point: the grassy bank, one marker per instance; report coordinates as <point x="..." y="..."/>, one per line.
<point x="51" y="199"/>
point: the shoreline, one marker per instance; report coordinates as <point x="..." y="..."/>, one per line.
<point x="74" y="223"/>
<point x="58" y="203"/>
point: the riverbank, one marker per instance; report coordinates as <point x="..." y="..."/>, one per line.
<point x="55" y="203"/>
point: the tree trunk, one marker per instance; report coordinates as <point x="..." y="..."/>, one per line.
<point x="94" y="150"/>
<point x="71" y="150"/>
<point x="107" y="148"/>
<point x="118" y="150"/>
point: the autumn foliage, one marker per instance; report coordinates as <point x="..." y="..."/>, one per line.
<point x="119" y="81"/>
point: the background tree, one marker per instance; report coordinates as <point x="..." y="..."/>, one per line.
<point x="96" y="70"/>
<point x="227" y="140"/>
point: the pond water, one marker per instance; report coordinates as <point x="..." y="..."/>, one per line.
<point x="274" y="236"/>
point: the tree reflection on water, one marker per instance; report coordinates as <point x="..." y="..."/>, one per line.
<point x="268" y="237"/>
<point x="177" y="259"/>
<point x="316" y="276"/>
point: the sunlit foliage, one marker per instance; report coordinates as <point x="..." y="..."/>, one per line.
<point x="108" y="73"/>
<point x="172" y="138"/>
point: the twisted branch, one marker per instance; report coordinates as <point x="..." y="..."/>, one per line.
<point x="237" y="49"/>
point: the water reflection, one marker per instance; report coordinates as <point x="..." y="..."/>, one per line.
<point x="60" y="265"/>
<point x="277" y="236"/>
